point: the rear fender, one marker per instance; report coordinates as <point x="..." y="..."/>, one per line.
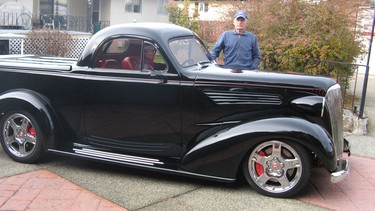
<point x="221" y="153"/>
<point x="37" y="105"/>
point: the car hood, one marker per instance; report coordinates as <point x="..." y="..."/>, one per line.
<point x="216" y="74"/>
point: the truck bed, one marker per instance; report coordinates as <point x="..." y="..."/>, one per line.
<point x="32" y="62"/>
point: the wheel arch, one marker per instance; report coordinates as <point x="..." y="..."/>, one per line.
<point x="37" y="105"/>
<point x="223" y="152"/>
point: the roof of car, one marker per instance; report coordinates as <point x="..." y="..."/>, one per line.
<point x="160" y="32"/>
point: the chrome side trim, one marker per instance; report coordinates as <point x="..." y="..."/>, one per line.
<point x="118" y="157"/>
<point x="238" y="97"/>
<point x="323" y="107"/>
<point x="218" y="123"/>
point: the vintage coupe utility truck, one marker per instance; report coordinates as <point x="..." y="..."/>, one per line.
<point x="148" y="95"/>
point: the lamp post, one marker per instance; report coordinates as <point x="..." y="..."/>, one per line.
<point x="363" y="98"/>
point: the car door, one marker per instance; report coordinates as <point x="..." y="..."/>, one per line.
<point x="133" y="111"/>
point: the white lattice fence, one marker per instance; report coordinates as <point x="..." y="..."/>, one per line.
<point x="15" y="47"/>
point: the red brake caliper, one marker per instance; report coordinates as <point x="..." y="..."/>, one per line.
<point x="259" y="168"/>
<point x="31" y="131"/>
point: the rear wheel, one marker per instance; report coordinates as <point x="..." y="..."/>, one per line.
<point x="21" y="138"/>
<point x="277" y="168"/>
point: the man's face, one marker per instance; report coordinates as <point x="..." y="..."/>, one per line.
<point x="240" y="24"/>
<point x="149" y="51"/>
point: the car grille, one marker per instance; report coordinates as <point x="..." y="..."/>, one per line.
<point x="334" y="103"/>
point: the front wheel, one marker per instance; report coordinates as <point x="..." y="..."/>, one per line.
<point x="277" y="168"/>
<point x="21" y="137"/>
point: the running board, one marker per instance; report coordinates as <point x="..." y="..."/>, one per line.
<point x="134" y="161"/>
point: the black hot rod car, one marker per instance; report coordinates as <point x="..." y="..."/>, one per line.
<point x="148" y="95"/>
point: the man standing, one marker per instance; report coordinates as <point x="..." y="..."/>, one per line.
<point x="240" y="47"/>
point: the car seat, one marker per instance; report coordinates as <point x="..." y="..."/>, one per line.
<point x="130" y="63"/>
<point x="111" y="63"/>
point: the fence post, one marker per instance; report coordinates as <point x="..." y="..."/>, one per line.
<point x="22" y="44"/>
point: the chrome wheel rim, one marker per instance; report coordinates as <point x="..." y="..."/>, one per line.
<point x="275" y="166"/>
<point x="19" y="135"/>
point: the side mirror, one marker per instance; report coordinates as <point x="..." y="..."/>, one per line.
<point x="158" y="73"/>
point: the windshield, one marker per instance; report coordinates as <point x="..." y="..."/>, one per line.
<point x="188" y="51"/>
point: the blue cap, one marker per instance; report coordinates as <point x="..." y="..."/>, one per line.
<point x="240" y="14"/>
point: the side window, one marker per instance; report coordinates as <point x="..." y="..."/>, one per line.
<point x="146" y="60"/>
<point x="119" y="46"/>
<point x="153" y="60"/>
<point x="112" y="53"/>
<point x="130" y="54"/>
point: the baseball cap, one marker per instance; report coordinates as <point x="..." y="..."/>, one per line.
<point x="240" y="14"/>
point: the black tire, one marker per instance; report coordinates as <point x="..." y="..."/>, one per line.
<point x="21" y="137"/>
<point x="277" y="168"/>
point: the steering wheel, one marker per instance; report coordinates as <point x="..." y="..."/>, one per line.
<point x="187" y="62"/>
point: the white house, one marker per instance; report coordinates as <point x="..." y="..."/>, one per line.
<point x="72" y="14"/>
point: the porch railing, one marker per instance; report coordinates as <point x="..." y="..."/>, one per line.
<point x="59" y="22"/>
<point x="10" y="20"/>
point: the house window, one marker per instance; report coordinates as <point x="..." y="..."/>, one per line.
<point x="95" y="11"/>
<point x="161" y="7"/>
<point x="203" y="7"/>
<point x="133" y="6"/>
<point x="53" y="7"/>
<point x="61" y="7"/>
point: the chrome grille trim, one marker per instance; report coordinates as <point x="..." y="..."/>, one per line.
<point x="334" y="106"/>
<point x="323" y="107"/>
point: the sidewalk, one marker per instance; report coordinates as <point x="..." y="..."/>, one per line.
<point x="43" y="190"/>
<point x="356" y="192"/>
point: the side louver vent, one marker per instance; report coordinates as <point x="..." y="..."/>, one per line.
<point x="245" y="98"/>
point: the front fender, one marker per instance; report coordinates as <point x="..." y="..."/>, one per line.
<point x="222" y="153"/>
<point x="34" y="103"/>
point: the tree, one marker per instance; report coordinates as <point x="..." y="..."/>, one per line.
<point x="181" y="17"/>
<point x="297" y="36"/>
